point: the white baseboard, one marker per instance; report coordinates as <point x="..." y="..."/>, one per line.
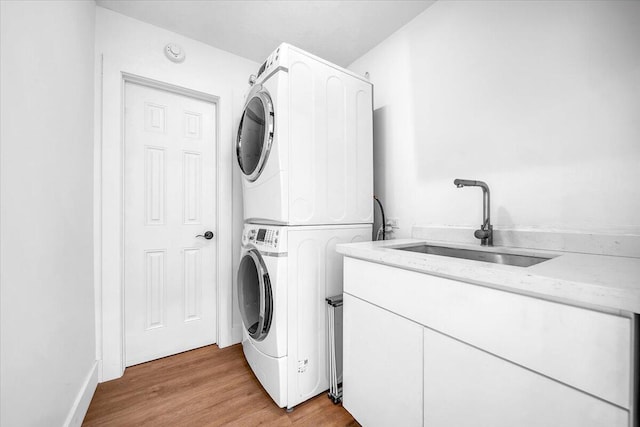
<point x="234" y="337"/>
<point x="83" y="399"/>
<point x="236" y="333"/>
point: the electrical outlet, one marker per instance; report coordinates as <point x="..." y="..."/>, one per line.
<point x="393" y="222"/>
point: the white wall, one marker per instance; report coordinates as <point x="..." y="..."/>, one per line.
<point x="539" y="99"/>
<point x="127" y="45"/>
<point x="47" y="330"/>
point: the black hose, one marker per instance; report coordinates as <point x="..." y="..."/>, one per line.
<point x="384" y="223"/>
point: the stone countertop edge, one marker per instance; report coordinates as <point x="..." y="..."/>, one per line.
<point x="600" y="282"/>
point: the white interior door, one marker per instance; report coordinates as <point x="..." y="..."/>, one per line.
<point x="170" y="190"/>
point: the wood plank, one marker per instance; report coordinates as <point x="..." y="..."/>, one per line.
<point x="208" y="386"/>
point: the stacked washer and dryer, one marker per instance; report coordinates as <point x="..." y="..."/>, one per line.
<point x="305" y="150"/>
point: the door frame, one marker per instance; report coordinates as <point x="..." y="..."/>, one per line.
<point x="109" y="217"/>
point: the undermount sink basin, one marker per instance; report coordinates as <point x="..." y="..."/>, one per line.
<point x="494" y="257"/>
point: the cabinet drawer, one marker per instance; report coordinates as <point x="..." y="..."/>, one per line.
<point x="585" y="349"/>
<point x="466" y="387"/>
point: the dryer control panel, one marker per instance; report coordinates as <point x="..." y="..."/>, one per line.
<point x="270" y="62"/>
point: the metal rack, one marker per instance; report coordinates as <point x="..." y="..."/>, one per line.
<point x="334" y="311"/>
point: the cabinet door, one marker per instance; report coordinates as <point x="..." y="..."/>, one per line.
<point x="382" y="383"/>
<point x="465" y="386"/>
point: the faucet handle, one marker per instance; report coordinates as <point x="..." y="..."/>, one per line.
<point x="481" y="234"/>
<point x="485" y="234"/>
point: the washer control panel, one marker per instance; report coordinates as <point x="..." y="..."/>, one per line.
<point x="262" y="237"/>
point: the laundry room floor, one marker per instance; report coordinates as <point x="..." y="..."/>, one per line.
<point x="208" y="386"/>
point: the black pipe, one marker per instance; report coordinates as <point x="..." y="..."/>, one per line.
<point x="384" y="223"/>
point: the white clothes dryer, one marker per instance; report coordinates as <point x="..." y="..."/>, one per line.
<point x="284" y="276"/>
<point x="305" y="143"/>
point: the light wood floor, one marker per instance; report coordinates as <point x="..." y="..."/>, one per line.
<point x="208" y="386"/>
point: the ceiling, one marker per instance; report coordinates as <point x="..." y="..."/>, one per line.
<point x="339" y="31"/>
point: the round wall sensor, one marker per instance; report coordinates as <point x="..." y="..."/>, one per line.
<point x="174" y="52"/>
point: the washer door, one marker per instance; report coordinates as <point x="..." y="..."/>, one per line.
<point x="255" y="295"/>
<point x="255" y="133"/>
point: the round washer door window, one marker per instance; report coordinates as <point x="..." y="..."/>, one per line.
<point x="255" y="295"/>
<point x="255" y="135"/>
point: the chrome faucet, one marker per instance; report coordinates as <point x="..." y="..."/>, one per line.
<point x="485" y="233"/>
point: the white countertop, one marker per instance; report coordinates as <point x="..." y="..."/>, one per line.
<point x="604" y="282"/>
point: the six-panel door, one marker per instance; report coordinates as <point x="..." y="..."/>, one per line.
<point x="170" y="190"/>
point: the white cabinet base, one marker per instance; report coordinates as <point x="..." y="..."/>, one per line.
<point x="491" y="358"/>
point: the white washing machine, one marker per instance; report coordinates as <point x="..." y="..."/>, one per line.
<point x="284" y="276"/>
<point x="305" y="143"/>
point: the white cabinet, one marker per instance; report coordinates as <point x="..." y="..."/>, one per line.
<point x="382" y="379"/>
<point x="491" y="358"/>
<point x="585" y="349"/>
<point x="468" y="387"/>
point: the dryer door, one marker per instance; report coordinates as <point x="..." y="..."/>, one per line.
<point x="255" y="133"/>
<point x="255" y="295"/>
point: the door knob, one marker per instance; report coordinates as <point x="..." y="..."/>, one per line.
<point x="207" y="235"/>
